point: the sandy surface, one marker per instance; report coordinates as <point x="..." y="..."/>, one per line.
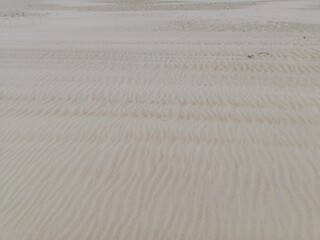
<point x="159" y="120"/>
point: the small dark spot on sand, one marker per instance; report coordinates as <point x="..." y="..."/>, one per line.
<point x="264" y="53"/>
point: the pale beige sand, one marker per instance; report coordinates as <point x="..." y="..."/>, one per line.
<point x="159" y="120"/>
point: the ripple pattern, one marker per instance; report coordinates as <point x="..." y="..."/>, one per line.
<point x="160" y="140"/>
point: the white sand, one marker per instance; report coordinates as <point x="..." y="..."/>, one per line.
<point x="159" y="120"/>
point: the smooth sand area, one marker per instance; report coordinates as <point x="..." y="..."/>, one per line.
<point x="159" y="120"/>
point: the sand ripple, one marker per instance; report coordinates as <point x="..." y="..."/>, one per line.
<point x="160" y="139"/>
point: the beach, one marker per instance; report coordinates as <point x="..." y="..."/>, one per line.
<point x="159" y="120"/>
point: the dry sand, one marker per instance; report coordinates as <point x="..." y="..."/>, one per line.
<point x="159" y="120"/>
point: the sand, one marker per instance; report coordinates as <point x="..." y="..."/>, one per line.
<point x="159" y="120"/>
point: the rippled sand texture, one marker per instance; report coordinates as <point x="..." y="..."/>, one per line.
<point x="126" y="124"/>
